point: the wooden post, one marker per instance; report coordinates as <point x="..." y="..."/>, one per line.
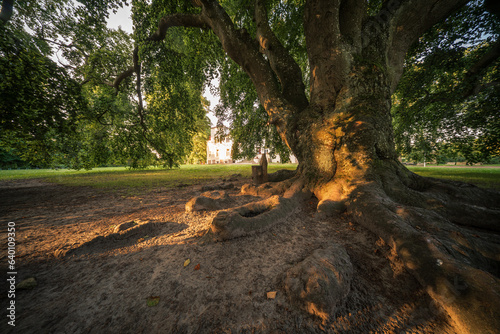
<point x="263" y="163"/>
<point x="259" y="172"/>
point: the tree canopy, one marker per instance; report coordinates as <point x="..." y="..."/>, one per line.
<point x="447" y="100"/>
<point x="60" y="99"/>
<point x="443" y="104"/>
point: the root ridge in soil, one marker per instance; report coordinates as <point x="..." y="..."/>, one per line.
<point x="137" y="232"/>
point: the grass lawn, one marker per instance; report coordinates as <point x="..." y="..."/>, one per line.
<point x="123" y="178"/>
<point x="486" y="177"/>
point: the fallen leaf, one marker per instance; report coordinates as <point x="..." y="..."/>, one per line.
<point x="197" y="267"/>
<point x="153" y="301"/>
<point x="27" y="284"/>
<point x="187" y="262"/>
<point x="271" y="295"/>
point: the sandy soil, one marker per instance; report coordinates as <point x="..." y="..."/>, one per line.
<point x="93" y="278"/>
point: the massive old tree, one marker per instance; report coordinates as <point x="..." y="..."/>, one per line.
<point x="331" y="107"/>
<point x="336" y="120"/>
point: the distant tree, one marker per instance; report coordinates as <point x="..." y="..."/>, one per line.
<point x="39" y="100"/>
<point x="77" y="112"/>
<point x="198" y="154"/>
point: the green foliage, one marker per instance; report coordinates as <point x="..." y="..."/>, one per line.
<point x="39" y="100"/>
<point x="483" y="177"/>
<point x="198" y="153"/>
<point x="69" y="114"/>
<point x="439" y="104"/>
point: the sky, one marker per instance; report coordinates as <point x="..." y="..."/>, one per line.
<point x="122" y="19"/>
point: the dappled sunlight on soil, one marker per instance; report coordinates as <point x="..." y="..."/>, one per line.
<point x="95" y="274"/>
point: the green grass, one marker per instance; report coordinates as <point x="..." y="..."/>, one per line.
<point x="121" y="177"/>
<point x="483" y="177"/>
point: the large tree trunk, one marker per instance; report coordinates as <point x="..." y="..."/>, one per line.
<point x="446" y="233"/>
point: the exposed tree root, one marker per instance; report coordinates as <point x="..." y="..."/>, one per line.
<point x="458" y="264"/>
<point x="267" y="189"/>
<point x="320" y="283"/>
<point x="250" y="218"/>
<point x="446" y="233"/>
<point x="208" y="201"/>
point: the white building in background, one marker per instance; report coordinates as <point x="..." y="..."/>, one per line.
<point x="220" y="151"/>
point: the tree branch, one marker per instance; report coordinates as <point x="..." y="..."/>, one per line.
<point x="240" y="47"/>
<point x="352" y="13"/>
<point x="286" y="68"/>
<point x="123" y="76"/>
<point x="408" y="20"/>
<point x="473" y="75"/>
<point x="485" y="61"/>
<point x="327" y="58"/>
<point x="175" y="20"/>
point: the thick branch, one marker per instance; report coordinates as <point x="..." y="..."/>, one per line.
<point x="408" y="20"/>
<point x="175" y="20"/>
<point x="245" y="52"/>
<point x="327" y="58"/>
<point x="282" y="63"/>
<point x="239" y="46"/>
<point x="352" y="13"/>
<point x="123" y="76"/>
<point x="473" y="75"/>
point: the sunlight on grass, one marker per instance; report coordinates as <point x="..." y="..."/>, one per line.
<point x="121" y="177"/>
<point x="483" y="177"/>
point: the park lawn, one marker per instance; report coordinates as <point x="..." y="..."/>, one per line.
<point x="123" y="178"/>
<point x="486" y="177"/>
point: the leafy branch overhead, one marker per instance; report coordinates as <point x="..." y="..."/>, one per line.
<point x="447" y="100"/>
<point x="106" y="126"/>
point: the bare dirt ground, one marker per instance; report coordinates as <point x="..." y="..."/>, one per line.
<point x="92" y="278"/>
